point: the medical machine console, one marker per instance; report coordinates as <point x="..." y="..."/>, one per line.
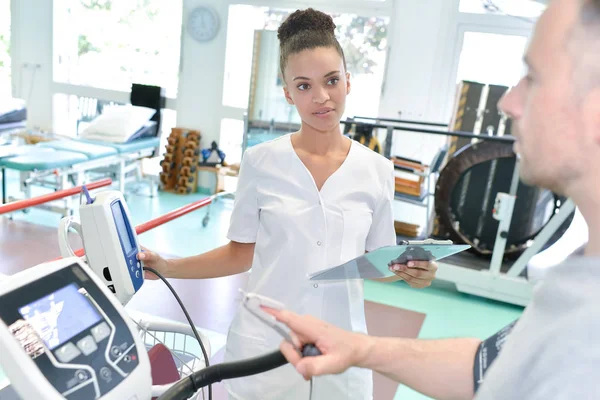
<point x="63" y="334"/>
<point x="109" y="240"/>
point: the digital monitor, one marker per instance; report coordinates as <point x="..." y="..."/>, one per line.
<point x="61" y="315"/>
<point x="122" y="227"/>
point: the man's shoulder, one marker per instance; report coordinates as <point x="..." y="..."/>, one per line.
<point x="556" y="341"/>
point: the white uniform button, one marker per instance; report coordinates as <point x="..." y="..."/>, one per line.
<point x="315" y="285"/>
<point x="318" y="243"/>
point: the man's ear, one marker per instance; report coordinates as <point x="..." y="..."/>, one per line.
<point x="348" y="85"/>
<point x="288" y="98"/>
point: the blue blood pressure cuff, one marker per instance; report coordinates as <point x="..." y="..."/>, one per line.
<point x="487" y="352"/>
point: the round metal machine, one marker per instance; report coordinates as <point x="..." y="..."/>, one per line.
<point x="465" y="195"/>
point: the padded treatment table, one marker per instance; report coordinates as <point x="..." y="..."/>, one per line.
<point x="42" y="160"/>
<point x="123" y="148"/>
<point x="64" y="157"/>
<point x="91" y="151"/>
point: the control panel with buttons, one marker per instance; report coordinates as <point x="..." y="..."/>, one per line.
<point x="74" y="335"/>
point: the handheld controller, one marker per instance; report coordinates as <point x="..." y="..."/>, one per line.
<point x="109" y="240"/>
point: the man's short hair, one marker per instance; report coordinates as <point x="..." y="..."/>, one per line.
<point x="584" y="48"/>
<point x="590" y="12"/>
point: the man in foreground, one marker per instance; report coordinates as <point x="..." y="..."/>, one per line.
<point x="553" y="351"/>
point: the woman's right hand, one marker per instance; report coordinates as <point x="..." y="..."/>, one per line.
<point x="154" y="261"/>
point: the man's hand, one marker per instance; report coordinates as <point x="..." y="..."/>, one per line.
<point x="340" y="349"/>
<point x="418" y="274"/>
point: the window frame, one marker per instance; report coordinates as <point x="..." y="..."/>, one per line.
<point x="120" y="96"/>
<point x="466" y="22"/>
<point x="462" y="29"/>
<point x="365" y="8"/>
<point x="10" y="67"/>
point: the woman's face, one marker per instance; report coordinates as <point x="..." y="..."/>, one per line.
<point x="317" y="84"/>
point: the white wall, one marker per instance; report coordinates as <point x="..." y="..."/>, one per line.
<point x="31" y="53"/>
<point x="416" y="76"/>
<point x="417" y="32"/>
<point x="201" y="76"/>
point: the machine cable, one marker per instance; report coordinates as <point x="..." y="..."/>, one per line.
<point x="187" y="316"/>
<point x="216" y="373"/>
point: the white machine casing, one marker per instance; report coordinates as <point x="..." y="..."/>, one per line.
<point x="107" y="252"/>
<point x="23" y="373"/>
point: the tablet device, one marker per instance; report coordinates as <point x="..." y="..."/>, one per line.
<point x="375" y="265"/>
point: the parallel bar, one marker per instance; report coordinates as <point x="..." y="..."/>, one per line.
<point x="468" y="135"/>
<point x="60" y="194"/>
<point x="170" y="216"/>
<point x="402" y="121"/>
<point x="505" y="139"/>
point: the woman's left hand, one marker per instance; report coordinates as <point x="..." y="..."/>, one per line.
<point x="418" y="274"/>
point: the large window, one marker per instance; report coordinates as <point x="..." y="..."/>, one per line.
<point x="364" y="40"/>
<point x="516" y="8"/>
<point x="252" y="66"/>
<point x="491" y="58"/>
<point x="5" y="81"/>
<point x="111" y="44"/>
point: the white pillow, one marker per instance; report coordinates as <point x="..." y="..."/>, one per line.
<point x="119" y="121"/>
<point x="9" y="104"/>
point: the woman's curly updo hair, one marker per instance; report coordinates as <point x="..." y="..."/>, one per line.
<point x="305" y="30"/>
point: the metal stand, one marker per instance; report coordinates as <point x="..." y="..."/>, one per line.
<point x="488" y="280"/>
<point x="505" y="220"/>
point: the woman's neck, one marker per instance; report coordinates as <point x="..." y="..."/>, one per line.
<point x="320" y="142"/>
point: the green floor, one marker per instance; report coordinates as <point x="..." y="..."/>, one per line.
<point x="448" y="313"/>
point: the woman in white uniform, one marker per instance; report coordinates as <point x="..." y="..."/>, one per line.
<point x="305" y="202"/>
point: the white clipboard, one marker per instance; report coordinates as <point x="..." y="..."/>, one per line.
<point x="375" y="265"/>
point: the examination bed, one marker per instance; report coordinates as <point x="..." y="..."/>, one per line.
<point x="59" y="164"/>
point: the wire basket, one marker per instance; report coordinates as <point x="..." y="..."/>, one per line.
<point x="179" y="339"/>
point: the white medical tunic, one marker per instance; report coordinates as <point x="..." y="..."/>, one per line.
<point x="298" y="231"/>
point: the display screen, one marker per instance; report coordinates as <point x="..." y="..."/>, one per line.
<point x="122" y="228"/>
<point x="61" y="315"/>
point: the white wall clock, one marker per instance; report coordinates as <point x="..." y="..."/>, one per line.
<point x="203" y="23"/>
